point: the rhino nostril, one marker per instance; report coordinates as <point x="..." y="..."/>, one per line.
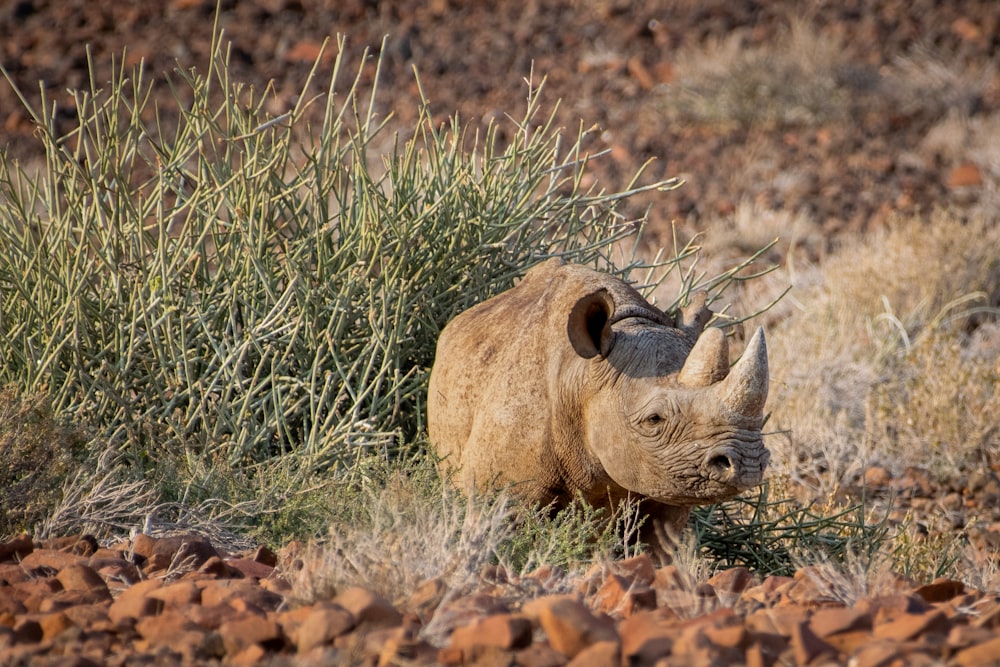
<point x="720" y="462"/>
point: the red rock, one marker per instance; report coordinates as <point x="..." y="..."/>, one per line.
<point x="264" y="556"/>
<point x="11" y="573"/>
<point x="879" y="653"/>
<point x="88" y="616"/>
<point x="188" y="551"/>
<point x="638" y="568"/>
<point x="367" y="607"/>
<point x="160" y="630"/>
<point x="33" y="592"/>
<point x="177" y="594"/>
<point x="849" y="642"/>
<point x="401" y="647"/>
<point x="599" y="654"/>
<point x="887" y="607"/>
<point x="769" y="591"/>
<point x="539" y="655"/>
<point x="210" y="618"/>
<point x="779" y="620"/>
<point x="507" y="631"/>
<point x="81" y="578"/>
<point x="568" y="623"/>
<point x="216" y="567"/>
<point x="669" y="577"/>
<point x="135" y="602"/>
<point x="27" y="631"/>
<point x="54" y="624"/>
<point x="143" y="545"/>
<point x="876" y="477"/>
<point x="647" y="636"/>
<point x="225" y="591"/>
<point x="315" y="626"/>
<point x="427" y="596"/>
<point x="250" y="568"/>
<point x="9" y="604"/>
<point x="834" y="620"/>
<point x="941" y="590"/>
<point x="619" y="595"/>
<point x="806" y="646"/>
<point x="118" y="572"/>
<point x="731" y="582"/>
<point x="65" y="599"/>
<point x="41" y="561"/>
<point x="964" y="636"/>
<point x="967" y="30"/>
<point x="80" y="545"/>
<point x="465" y="609"/>
<point x="16" y="548"/>
<point x="965" y="175"/>
<point x="810" y="587"/>
<point x="985" y="653"/>
<point x="157" y="563"/>
<point x="909" y="626"/>
<point x="241" y="633"/>
<point x="304" y="51"/>
<point x="253" y="654"/>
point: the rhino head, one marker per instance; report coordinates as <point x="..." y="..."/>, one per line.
<point x="669" y="420"/>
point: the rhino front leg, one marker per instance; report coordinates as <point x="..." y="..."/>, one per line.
<point x="661" y="530"/>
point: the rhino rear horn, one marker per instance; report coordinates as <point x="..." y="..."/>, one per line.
<point x="589" y="327"/>
<point x="744" y="390"/>
<point x="708" y="361"/>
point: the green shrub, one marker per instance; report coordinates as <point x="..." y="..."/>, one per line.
<point x="240" y="306"/>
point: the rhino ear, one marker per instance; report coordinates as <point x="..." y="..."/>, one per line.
<point x="693" y="317"/>
<point x="589" y="325"/>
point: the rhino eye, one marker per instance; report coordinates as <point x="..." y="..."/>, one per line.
<point x="653" y="420"/>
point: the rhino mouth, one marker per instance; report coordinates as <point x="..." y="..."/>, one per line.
<point x="723" y="472"/>
<point x="735" y="468"/>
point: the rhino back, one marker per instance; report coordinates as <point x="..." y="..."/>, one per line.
<point x="488" y="384"/>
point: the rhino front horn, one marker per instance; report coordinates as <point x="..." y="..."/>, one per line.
<point x="708" y="361"/>
<point x="744" y="390"/>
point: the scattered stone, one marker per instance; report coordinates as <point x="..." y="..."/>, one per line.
<point x="599" y="654"/>
<point x="368" y="607"/>
<point x="241" y="633"/>
<point x="622" y="596"/>
<point x="16" y="548"/>
<point x="909" y="626"/>
<point x="985" y="653"/>
<point x="569" y="625"/>
<point x="507" y="631"/>
<point x="835" y="620"/>
<point x="807" y="647"/>
<point x="941" y="590"/>
<point x="965" y="175"/>
<point x="309" y="627"/>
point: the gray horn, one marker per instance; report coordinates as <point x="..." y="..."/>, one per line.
<point x="744" y="390"/>
<point x="708" y="361"/>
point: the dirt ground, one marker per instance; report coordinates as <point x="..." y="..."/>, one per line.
<point x="619" y="66"/>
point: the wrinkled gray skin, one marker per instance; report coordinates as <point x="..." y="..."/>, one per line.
<point x="572" y="383"/>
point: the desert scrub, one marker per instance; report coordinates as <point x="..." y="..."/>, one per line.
<point x="243" y="306"/>
<point x="39" y="455"/>
<point x="889" y="357"/>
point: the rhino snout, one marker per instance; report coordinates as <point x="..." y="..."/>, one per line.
<point x="733" y="467"/>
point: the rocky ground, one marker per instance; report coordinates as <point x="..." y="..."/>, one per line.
<point x="614" y="65"/>
<point x="178" y="600"/>
<point x="852" y="152"/>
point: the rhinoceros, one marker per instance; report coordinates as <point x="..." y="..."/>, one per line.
<point x="572" y="384"/>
